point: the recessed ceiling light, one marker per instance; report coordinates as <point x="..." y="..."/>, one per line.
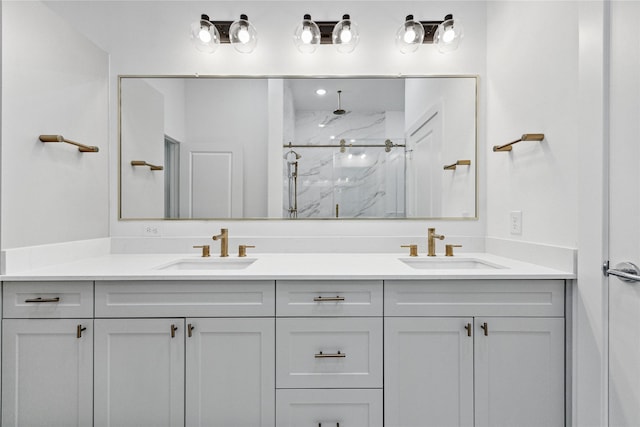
<point x="321" y="125"/>
<point x="321" y="92"/>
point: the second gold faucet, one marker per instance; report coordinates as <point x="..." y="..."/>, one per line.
<point x="224" y="241"/>
<point x="431" y="242"/>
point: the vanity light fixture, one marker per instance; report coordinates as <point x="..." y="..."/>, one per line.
<point x="410" y="35"/>
<point x="243" y="35"/>
<point x="448" y="35"/>
<point x="204" y="35"/>
<point x="445" y="34"/>
<point x="207" y="35"/>
<point x="306" y="36"/>
<point x="343" y="34"/>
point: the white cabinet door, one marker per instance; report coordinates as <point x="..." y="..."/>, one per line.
<point x="139" y="372"/>
<point x="47" y="372"/>
<point x="428" y="371"/>
<point x="519" y="372"/>
<point x="230" y="379"/>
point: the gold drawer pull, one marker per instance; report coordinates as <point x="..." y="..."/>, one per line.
<point x="322" y="355"/>
<point x="485" y="327"/>
<point x="320" y="424"/>
<point x="174" y="328"/>
<point x="328" y="299"/>
<point x="468" y="328"/>
<point x="40" y="299"/>
<point x="79" y="331"/>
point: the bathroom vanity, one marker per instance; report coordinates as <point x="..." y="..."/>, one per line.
<point x="285" y="340"/>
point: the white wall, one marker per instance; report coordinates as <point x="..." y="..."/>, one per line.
<point x="532" y="87"/>
<point x="164" y="48"/>
<point x="54" y="81"/>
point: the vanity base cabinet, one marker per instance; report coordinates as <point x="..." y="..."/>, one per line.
<point x="428" y="372"/>
<point x="230" y="379"/>
<point x="329" y="408"/>
<point x="47" y="372"/>
<point x="519" y="372"/>
<point x="139" y="372"/>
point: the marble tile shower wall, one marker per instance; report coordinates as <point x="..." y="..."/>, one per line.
<point x="363" y="182"/>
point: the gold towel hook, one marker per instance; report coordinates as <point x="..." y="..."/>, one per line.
<point x="59" y="138"/>
<point x="452" y="167"/>
<point x="524" y="137"/>
<point x="143" y="163"/>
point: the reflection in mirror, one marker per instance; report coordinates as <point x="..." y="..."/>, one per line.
<point x="298" y="147"/>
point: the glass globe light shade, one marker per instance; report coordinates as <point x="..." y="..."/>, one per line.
<point x="204" y="35"/>
<point x="448" y="35"/>
<point x="306" y="36"/>
<point x="345" y="35"/>
<point x="242" y="35"/>
<point x="410" y="35"/>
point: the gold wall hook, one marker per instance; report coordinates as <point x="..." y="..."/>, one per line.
<point x="59" y="138"/>
<point x="452" y="167"/>
<point x="143" y="163"/>
<point x="524" y="137"/>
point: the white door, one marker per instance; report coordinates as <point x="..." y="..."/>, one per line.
<point x="428" y="372"/>
<point x="624" y="215"/>
<point x="230" y="379"/>
<point x="211" y="180"/>
<point x="139" y="372"/>
<point x="424" y="168"/>
<point x="519" y="372"/>
<point x="47" y="372"/>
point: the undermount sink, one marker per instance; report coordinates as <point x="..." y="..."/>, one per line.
<point x="449" y="263"/>
<point x="208" y="264"/>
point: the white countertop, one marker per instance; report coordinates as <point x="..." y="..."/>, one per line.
<point x="288" y="266"/>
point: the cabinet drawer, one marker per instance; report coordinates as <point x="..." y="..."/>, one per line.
<point x="329" y="298"/>
<point x="329" y="408"/>
<point x="474" y="298"/>
<point x="329" y="353"/>
<point x="175" y="298"/>
<point x="54" y="300"/>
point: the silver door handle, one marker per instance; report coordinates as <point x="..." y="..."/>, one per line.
<point x="626" y="271"/>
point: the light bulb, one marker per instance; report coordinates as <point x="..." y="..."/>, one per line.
<point x="244" y="36"/>
<point x="204" y="35"/>
<point x="409" y="35"/>
<point x="321" y="92"/>
<point x="449" y="35"/>
<point x="306" y="36"/>
<point x="345" y="35"/>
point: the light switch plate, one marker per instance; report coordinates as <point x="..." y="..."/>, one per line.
<point x="515" y="222"/>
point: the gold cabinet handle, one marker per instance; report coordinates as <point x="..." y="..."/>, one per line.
<point x="468" y="328"/>
<point x="40" y="299"/>
<point x="322" y="355"/>
<point x="485" y="327"/>
<point x="79" y="331"/>
<point x="174" y="328"/>
<point x="329" y="299"/>
<point x="320" y="424"/>
<point x="190" y="329"/>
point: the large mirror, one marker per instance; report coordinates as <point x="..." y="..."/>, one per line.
<point x="297" y="148"/>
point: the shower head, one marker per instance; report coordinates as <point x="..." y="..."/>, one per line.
<point x="291" y="156"/>
<point x="339" y="111"/>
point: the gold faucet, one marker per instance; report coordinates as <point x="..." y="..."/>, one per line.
<point x="224" y="241"/>
<point x="431" y="243"/>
